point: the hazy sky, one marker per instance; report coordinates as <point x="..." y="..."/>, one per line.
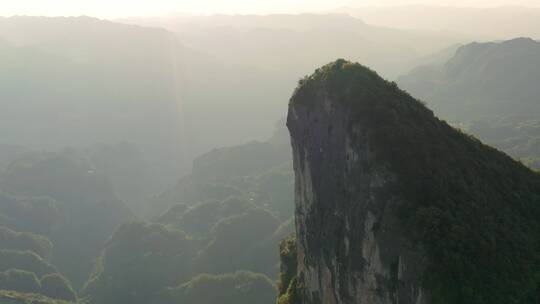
<point x="122" y="8"/>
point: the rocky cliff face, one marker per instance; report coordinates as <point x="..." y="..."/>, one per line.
<point x="391" y="202"/>
<point x="350" y="247"/>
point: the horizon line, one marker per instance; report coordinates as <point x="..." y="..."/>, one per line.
<point x="331" y="11"/>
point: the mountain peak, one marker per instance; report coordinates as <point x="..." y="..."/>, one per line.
<point x="394" y="205"/>
<point x="345" y="70"/>
<point x="521" y="40"/>
<point x="354" y="84"/>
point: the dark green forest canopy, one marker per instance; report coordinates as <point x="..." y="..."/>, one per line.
<point x="241" y="287"/>
<point x="141" y="259"/>
<point x="25" y="213"/>
<point x="226" y="198"/>
<point x="25" y="241"/>
<point x="138" y="261"/>
<point x="20" y="281"/>
<point x="57" y="287"/>
<point x="489" y="89"/>
<point x="24" y="260"/>
<point x="475" y="210"/>
<point x="52" y="285"/>
<point x="13" y="297"/>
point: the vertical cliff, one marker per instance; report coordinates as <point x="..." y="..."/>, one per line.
<point x="395" y="206"/>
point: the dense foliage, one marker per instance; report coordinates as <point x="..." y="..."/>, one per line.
<point x="54" y="285"/>
<point x="19" y="280"/>
<point x="244" y="170"/>
<point x="138" y="261"/>
<point x="75" y="201"/>
<point x="217" y="221"/>
<point x="141" y="259"/>
<point x="238" y="242"/>
<point x="473" y="209"/>
<point x="12" y="297"/>
<point x="227" y="216"/>
<point x="27" y="213"/>
<point x="24" y="260"/>
<point x="24" y="241"/>
<point x="288" y="282"/>
<point x="239" y="288"/>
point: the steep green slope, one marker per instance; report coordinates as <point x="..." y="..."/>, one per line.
<point x="490" y="90"/>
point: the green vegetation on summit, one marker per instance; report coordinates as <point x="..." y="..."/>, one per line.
<point x="13" y="297"/>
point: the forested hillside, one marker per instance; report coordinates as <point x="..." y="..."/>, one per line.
<point x="220" y="225"/>
<point x="489" y="90"/>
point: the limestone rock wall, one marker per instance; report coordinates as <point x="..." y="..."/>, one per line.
<point x="351" y="247"/>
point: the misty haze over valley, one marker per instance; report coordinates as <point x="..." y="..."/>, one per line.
<point x="321" y="154"/>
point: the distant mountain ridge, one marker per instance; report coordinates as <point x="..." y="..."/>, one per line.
<point x="78" y="81"/>
<point x="297" y="43"/>
<point x="481" y="80"/>
<point x="484" y="23"/>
